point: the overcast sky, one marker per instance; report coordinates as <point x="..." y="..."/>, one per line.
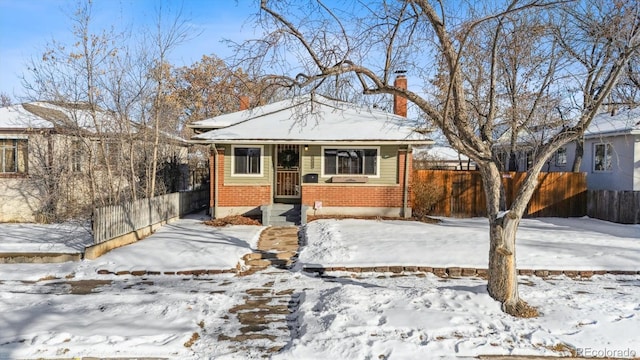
<point x="26" y="26"/>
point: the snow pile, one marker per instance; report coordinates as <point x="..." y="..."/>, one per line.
<point x="543" y="243"/>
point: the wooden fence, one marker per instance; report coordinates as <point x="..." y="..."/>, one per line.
<point x="616" y="206"/>
<point x="557" y="194"/>
<point x="116" y="220"/>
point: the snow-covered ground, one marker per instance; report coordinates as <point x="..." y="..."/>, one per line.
<point x="184" y="245"/>
<point x="361" y="316"/>
<point x="50" y="238"/>
<point x="543" y="243"/>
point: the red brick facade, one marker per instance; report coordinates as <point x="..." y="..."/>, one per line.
<point x="235" y="195"/>
<point x="354" y="195"/>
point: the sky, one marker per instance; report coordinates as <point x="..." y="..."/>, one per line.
<point x="26" y="26"/>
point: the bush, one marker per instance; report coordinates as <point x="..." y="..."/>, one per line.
<point x="425" y="197"/>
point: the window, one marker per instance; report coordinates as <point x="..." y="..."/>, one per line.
<point x="602" y="154"/>
<point x="561" y="157"/>
<point x="350" y="161"/>
<point x="13" y="156"/>
<point x="247" y="161"/>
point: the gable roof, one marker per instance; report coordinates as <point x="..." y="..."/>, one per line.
<point x="624" y="122"/>
<point x="16" y="117"/>
<point x="307" y="119"/>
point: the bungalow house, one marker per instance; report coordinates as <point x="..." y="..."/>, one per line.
<point x="310" y="155"/>
<point x="46" y="153"/>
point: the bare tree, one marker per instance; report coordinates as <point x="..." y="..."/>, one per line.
<point x="374" y="39"/>
<point x="5" y="100"/>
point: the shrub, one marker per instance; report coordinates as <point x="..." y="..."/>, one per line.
<point x="425" y="197"/>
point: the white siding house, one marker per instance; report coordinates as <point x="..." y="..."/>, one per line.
<point x="612" y="151"/>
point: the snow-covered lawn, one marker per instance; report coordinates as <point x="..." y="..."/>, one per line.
<point x="544" y="243"/>
<point x="359" y="316"/>
<point x="44" y="238"/>
<point x="187" y="244"/>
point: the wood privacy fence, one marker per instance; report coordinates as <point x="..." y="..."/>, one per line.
<point x="116" y="220"/>
<point x="559" y="194"/>
<point x="616" y="206"/>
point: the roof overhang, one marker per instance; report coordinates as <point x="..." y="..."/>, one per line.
<point x="313" y="142"/>
<point x="613" y="133"/>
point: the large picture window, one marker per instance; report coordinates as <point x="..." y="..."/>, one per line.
<point x="339" y="161"/>
<point x="13" y="156"/>
<point x="602" y="156"/>
<point x="247" y="160"/>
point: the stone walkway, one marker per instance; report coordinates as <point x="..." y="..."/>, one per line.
<point x="268" y="316"/>
<point x="277" y="247"/>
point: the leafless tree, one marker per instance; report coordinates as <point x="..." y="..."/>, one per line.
<point x="5" y="100"/>
<point x="436" y="43"/>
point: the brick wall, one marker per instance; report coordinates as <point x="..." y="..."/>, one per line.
<point x="236" y="195"/>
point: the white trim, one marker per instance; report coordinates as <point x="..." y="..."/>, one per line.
<point x="233" y="161"/>
<point x="593" y="160"/>
<point x="378" y="158"/>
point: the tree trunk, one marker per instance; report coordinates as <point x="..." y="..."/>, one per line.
<point x="503" y="274"/>
<point x="577" y="160"/>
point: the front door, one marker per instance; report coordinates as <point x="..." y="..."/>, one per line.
<point x="287" y="171"/>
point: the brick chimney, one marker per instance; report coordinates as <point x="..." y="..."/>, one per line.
<point x="244" y="102"/>
<point x="399" y="102"/>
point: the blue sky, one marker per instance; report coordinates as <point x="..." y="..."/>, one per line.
<point x="26" y="26"/>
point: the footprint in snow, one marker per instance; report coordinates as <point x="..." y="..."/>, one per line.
<point x="587" y="322"/>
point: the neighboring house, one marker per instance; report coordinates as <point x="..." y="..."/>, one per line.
<point x="45" y="154"/>
<point x="332" y="157"/>
<point x="440" y="157"/>
<point x="611" y="156"/>
<point x="612" y="151"/>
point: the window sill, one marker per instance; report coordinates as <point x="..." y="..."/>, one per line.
<point x="13" y="176"/>
<point x="349" y="179"/>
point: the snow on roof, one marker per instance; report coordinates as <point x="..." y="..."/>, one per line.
<point x="45" y="115"/>
<point x="309" y="118"/>
<point x="626" y="121"/>
<point x="445" y="153"/>
<point x="17" y="117"/>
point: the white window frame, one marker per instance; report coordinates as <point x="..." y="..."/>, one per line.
<point x="233" y="160"/>
<point x="356" y="147"/>
<point x="607" y="146"/>
<point x="558" y="163"/>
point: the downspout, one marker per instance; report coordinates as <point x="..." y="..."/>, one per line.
<point x="214" y="210"/>
<point x="405" y="195"/>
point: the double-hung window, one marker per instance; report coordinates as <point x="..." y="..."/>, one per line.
<point x="561" y="157"/>
<point x="350" y="161"/>
<point x="247" y="161"/>
<point x="13" y="156"/>
<point x="602" y="156"/>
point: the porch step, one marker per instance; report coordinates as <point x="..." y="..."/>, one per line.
<point x="284" y="215"/>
